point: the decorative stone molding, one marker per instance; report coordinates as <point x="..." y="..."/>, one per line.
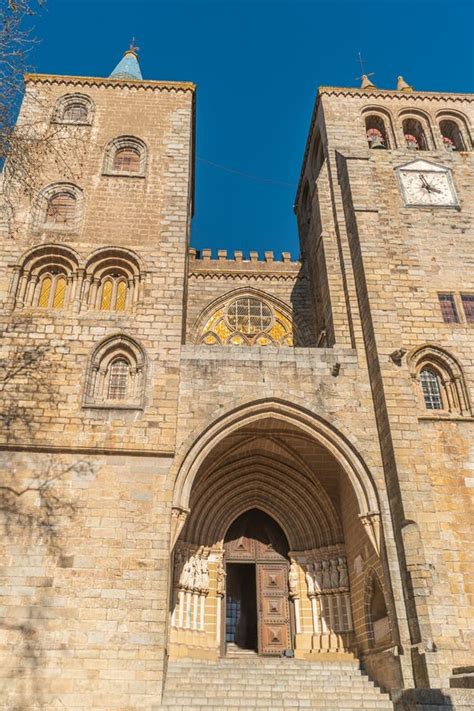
<point x="179" y="515"/>
<point x="372" y="524"/>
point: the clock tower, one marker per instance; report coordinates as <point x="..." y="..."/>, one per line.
<point x="386" y="220"/>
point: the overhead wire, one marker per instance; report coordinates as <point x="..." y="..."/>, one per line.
<point x="257" y="178"/>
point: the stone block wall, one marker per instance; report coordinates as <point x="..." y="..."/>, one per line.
<point x="395" y="261"/>
<point x="284" y="280"/>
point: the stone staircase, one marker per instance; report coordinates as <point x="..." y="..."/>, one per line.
<point x="270" y="684"/>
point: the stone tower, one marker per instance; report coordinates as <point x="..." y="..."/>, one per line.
<point x="218" y="458"/>
<point x="92" y="288"/>
<point x="386" y="223"/>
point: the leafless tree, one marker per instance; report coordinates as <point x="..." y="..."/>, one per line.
<point x="34" y="143"/>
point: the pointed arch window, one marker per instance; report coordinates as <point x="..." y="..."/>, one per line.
<point x="440" y="382"/>
<point x="431" y="388"/>
<point x="117" y="385"/>
<point x="116" y="374"/>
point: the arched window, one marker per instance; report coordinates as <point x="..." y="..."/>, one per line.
<point x="61" y="208"/>
<point x="431" y="388"/>
<point x="125" y="155"/>
<point x="415" y="137"/>
<point x="439" y="380"/>
<point x="75" y="113"/>
<point x="114" y="276"/>
<point x="74" y="108"/>
<point x="52" y="291"/>
<point x="127" y="160"/>
<point x="116" y="374"/>
<point x="376" y="132"/>
<point x="44" y="278"/>
<point x="247" y="320"/>
<point x="452" y="136"/>
<point x="113" y="293"/>
<point x="58" y="207"/>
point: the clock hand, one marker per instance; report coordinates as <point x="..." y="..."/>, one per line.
<point x="426" y="185"/>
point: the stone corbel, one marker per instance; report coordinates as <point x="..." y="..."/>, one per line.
<point x="179" y="515"/>
<point x="371" y="523"/>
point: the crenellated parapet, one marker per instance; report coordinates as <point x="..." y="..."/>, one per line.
<point x="203" y="263"/>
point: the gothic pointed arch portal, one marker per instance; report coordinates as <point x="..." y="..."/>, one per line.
<point x="301" y="473"/>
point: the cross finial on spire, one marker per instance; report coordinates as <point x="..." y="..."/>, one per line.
<point x="133" y="47"/>
<point x="364" y="75"/>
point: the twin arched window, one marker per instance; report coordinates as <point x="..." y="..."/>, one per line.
<point x="53" y="276"/>
<point x="116" y="374"/>
<point x="440" y="381"/>
<point x="52" y="290"/>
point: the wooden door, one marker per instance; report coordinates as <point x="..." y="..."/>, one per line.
<point x="273" y="608"/>
<point x="255" y="538"/>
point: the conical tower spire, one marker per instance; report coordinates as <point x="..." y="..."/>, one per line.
<point x="402" y="85"/>
<point x="128" y="67"/>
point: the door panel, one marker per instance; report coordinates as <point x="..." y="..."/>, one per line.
<point x="273" y="608"/>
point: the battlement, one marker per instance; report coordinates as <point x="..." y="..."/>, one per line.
<point x="204" y="261"/>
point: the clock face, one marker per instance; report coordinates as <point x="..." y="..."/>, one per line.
<point x="426" y="184"/>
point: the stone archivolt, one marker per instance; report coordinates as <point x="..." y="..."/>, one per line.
<point x="285" y="473"/>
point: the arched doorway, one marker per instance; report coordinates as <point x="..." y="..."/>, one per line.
<point x="308" y="479"/>
<point x="257" y="597"/>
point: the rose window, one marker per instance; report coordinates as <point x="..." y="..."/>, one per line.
<point x="247" y="321"/>
<point x="249" y="316"/>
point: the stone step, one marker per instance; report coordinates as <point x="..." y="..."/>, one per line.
<point x="270" y="684"/>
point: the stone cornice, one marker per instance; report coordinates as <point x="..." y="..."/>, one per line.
<point x="410" y="95"/>
<point x="118" y="83"/>
<point x="235" y="275"/>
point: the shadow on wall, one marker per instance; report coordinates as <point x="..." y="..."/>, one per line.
<point x="425" y="700"/>
<point x="304" y="322"/>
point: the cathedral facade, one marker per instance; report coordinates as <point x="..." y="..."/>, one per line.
<point x="239" y="456"/>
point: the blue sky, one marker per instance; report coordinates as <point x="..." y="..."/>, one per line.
<point x="257" y="64"/>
